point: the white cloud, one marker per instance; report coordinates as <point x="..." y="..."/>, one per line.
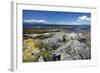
<point x="84" y="20"/>
<point x="79" y="21"/>
<point x="36" y="21"/>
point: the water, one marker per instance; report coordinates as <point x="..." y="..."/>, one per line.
<point x="72" y="28"/>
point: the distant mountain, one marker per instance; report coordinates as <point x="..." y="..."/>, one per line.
<point x="35" y="23"/>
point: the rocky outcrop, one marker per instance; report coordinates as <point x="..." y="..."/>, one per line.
<point x="70" y="46"/>
<point x="74" y="50"/>
<point x="55" y="40"/>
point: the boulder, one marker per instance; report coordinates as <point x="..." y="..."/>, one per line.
<point x="73" y="50"/>
<point x="40" y="59"/>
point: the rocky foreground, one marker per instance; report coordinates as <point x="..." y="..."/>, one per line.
<point x="71" y="46"/>
<point x="62" y="46"/>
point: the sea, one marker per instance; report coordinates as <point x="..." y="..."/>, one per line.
<point x="72" y="28"/>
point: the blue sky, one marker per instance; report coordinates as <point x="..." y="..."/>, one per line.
<point x="53" y="17"/>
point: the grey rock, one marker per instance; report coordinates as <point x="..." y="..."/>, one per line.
<point x="73" y="50"/>
<point x="40" y="59"/>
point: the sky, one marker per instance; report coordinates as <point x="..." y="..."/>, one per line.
<point x="55" y="17"/>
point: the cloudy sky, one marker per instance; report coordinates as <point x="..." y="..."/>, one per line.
<point x="52" y="17"/>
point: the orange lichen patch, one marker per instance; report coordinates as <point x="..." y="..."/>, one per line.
<point x="31" y="45"/>
<point x="32" y="48"/>
<point x="27" y="55"/>
<point x="28" y="42"/>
